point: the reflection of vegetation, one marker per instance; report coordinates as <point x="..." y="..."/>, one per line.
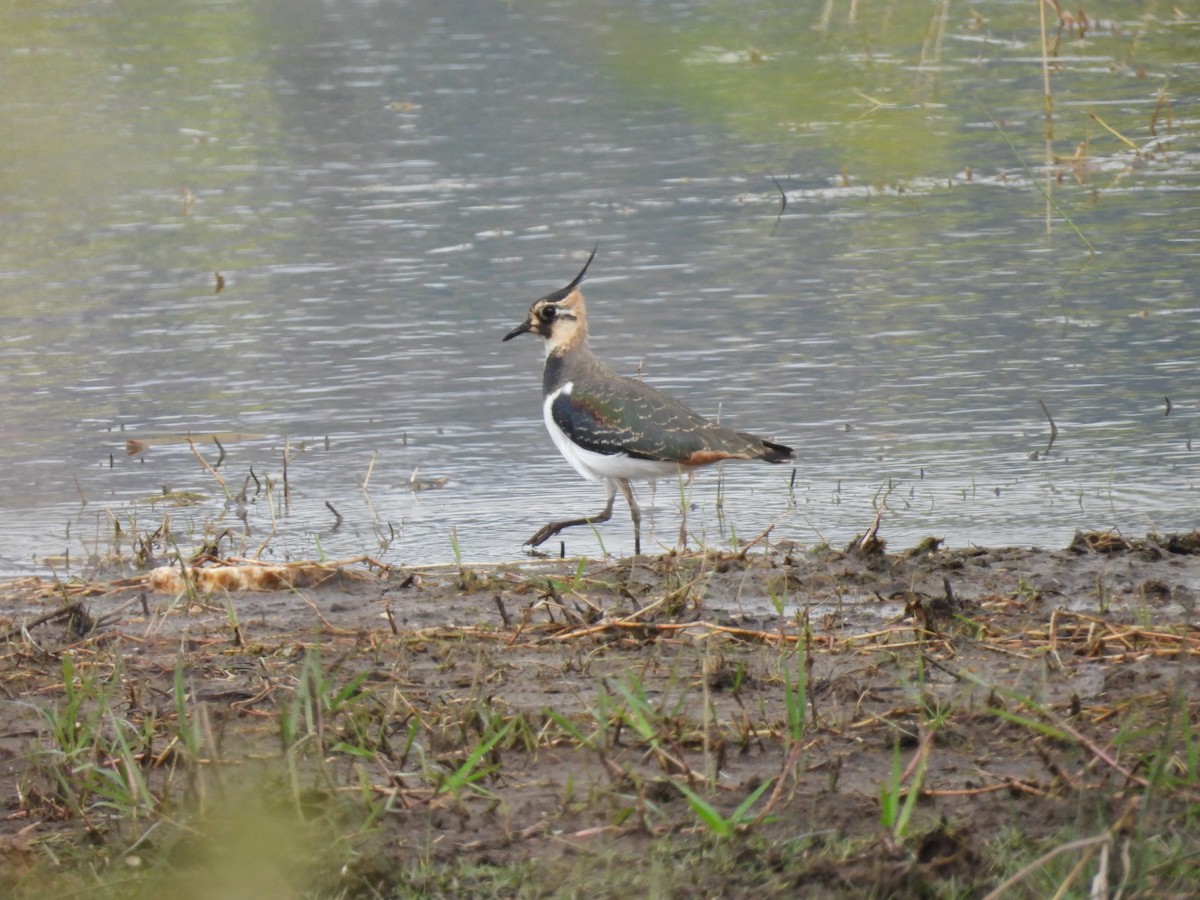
<point x="769" y="72"/>
<point x="879" y="88"/>
<point x="123" y="110"/>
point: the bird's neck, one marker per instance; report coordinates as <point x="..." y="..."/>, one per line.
<point x="567" y="362"/>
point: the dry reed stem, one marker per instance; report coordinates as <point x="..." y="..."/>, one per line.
<point x="1048" y="97"/>
<point x="204" y="462"/>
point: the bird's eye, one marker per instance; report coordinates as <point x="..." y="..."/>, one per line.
<point x="547" y="313"/>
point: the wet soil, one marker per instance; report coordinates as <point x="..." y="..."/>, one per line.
<point x="538" y="719"/>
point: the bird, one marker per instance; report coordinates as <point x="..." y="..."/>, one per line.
<point x="617" y="429"/>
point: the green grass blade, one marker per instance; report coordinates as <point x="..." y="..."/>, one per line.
<point x="469" y="771"/>
<point x="1037" y="184"/>
<point x="707" y="814"/>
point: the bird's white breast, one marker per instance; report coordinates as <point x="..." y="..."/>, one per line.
<point x="599" y="466"/>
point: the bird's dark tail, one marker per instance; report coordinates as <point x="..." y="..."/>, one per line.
<point x="776" y="453"/>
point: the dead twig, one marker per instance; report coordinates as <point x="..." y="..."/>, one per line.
<point x="370" y="469"/>
<point x="336" y="515"/>
<point x="204" y="462"/>
<point x="71" y="610"/>
<point x="1053" y="427"/>
<point x="741" y="554"/>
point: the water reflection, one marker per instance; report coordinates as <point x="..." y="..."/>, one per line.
<point x="385" y="187"/>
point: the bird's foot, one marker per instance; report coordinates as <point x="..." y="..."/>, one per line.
<point x="548" y="531"/>
<point x="544" y="534"/>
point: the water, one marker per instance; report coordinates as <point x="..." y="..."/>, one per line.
<point x="385" y="187"/>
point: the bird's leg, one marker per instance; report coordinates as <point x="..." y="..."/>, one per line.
<point x="635" y="512"/>
<point x="683" y="507"/>
<point x="549" y="531"/>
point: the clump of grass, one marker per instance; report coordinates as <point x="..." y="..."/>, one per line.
<point x="93" y="757"/>
<point x="724" y="826"/>
<point x="795" y="691"/>
<point x="476" y="765"/>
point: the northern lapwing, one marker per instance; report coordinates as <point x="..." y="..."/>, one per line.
<point x="612" y="428"/>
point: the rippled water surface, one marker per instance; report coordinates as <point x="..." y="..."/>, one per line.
<point x="384" y="187"/>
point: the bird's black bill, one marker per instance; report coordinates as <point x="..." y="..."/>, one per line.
<point x="520" y="329"/>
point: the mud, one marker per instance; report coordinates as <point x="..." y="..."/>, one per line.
<point x="1023" y="694"/>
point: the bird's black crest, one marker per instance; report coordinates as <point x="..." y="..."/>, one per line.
<point x="563" y="293"/>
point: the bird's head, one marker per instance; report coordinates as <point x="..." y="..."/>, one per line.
<point x="558" y="318"/>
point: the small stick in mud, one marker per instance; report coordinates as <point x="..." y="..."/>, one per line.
<point x="870" y="544"/>
<point x="746" y="547"/>
<point x="950" y="598"/>
<point x="337" y="515"/>
<point x="1053" y="427"/>
<point x="287" y="491"/>
<point x="370" y="469"/>
<point x="204" y="462"/>
<point x="782" y="195"/>
<point x="503" y="612"/>
<point x="782" y="203"/>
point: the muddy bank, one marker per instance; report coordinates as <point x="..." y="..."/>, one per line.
<point x="826" y="722"/>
